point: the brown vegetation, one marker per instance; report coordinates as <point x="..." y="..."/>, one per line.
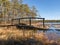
<point x="13" y="36"/>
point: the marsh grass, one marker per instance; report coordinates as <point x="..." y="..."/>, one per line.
<point x="14" y="36"/>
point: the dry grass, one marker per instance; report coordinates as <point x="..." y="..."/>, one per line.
<point x="16" y="34"/>
<point x="12" y="35"/>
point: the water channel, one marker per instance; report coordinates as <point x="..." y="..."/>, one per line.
<point x="52" y="33"/>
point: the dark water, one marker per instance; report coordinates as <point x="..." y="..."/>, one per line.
<point x="52" y="33"/>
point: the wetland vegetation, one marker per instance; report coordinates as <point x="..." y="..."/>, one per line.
<point x="11" y="9"/>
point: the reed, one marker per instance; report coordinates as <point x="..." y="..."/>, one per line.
<point x="13" y="36"/>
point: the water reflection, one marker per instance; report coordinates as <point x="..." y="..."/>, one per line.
<point x="52" y="33"/>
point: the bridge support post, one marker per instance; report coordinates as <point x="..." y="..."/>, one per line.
<point x="30" y="21"/>
<point x="43" y="22"/>
<point x="19" y="21"/>
<point x="12" y="22"/>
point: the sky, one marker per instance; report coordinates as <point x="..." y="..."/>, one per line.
<point x="48" y="9"/>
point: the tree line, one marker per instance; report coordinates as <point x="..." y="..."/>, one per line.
<point x="15" y="9"/>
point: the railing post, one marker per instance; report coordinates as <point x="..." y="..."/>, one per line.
<point x="43" y="22"/>
<point x="19" y="21"/>
<point x="12" y="22"/>
<point x="30" y="21"/>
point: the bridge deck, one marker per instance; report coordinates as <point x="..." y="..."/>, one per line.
<point x="22" y="26"/>
<point x="6" y="25"/>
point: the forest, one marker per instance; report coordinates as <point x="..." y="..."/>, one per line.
<point x="15" y="9"/>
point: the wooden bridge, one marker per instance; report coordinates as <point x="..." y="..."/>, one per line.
<point x="23" y="25"/>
